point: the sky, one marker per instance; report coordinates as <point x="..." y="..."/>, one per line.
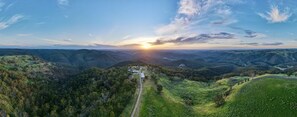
<point x="148" y="24"/>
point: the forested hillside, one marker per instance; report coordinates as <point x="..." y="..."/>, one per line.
<point x="27" y="89"/>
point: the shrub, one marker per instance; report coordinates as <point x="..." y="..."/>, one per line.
<point x="219" y="100"/>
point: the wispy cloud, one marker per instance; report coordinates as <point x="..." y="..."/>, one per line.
<point x="194" y="14"/>
<point x="14" y="19"/>
<point x="225" y="14"/>
<point x="127" y="37"/>
<point x="9" y="6"/>
<point x="40" y="23"/>
<point x="79" y="46"/>
<point x="54" y="41"/>
<point x="263" y="44"/>
<point x="188" y="7"/>
<point x="202" y="38"/>
<point x="68" y="40"/>
<point x="273" y="44"/>
<point x="189" y="13"/>
<point x="250" y="33"/>
<point x="253" y="34"/>
<point x="70" y="44"/>
<point x="24" y="35"/>
<point x="275" y="15"/>
<point x="2" y="4"/>
<point x="63" y="2"/>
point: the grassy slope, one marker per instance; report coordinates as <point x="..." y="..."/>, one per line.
<point x="265" y="97"/>
<point x="201" y="93"/>
<point x="171" y="102"/>
<point x="268" y="95"/>
<point x="163" y="105"/>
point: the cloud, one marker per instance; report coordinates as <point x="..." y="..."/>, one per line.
<point x="77" y="46"/>
<point x="225" y="11"/>
<point x="188" y="12"/>
<point x="127" y="37"/>
<point x="9" y="6"/>
<point x="175" y="26"/>
<point x="90" y="35"/>
<point x="24" y="35"/>
<point x="68" y="40"/>
<point x="275" y="15"/>
<point x="250" y="33"/>
<point x="63" y="2"/>
<point x="188" y="7"/>
<point x="225" y="21"/>
<point x="69" y="44"/>
<point x="192" y="14"/>
<point x="14" y="19"/>
<point x="129" y="46"/>
<point x="40" y="23"/>
<point x="263" y="44"/>
<point x="273" y="44"/>
<point x="251" y="44"/>
<point x="202" y="38"/>
<point x="2" y="4"/>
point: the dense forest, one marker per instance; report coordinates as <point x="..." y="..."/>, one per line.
<point x="94" y="92"/>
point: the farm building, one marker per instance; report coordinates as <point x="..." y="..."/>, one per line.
<point x="142" y="76"/>
<point x="133" y="70"/>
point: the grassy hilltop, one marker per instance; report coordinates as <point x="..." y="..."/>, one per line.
<point x="273" y="97"/>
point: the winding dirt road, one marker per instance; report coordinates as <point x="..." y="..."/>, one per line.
<point x="136" y="106"/>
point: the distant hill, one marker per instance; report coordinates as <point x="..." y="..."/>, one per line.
<point x="194" y="59"/>
<point x="81" y="59"/>
<point x="27" y="65"/>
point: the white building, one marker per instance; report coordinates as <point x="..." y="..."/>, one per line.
<point x="142" y="76"/>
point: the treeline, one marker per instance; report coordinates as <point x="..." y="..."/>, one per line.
<point x="94" y="92"/>
<point x="204" y="75"/>
<point x="218" y="72"/>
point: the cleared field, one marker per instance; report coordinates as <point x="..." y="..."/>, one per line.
<point x="267" y="95"/>
<point x="180" y="97"/>
<point x="273" y="97"/>
<point x="161" y="105"/>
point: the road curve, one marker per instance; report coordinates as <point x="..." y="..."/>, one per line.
<point x="136" y="106"/>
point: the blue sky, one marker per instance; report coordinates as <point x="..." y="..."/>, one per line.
<point x="158" y="24"/>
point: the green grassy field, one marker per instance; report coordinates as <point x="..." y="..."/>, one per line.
<point x="180" y="98"/>
<point x="273" y="97"/>
<point x="162" y="105"/>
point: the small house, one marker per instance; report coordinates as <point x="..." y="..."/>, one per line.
<point x="142" y="76"/>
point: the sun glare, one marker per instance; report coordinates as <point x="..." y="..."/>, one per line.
<point x="146" y="46"/>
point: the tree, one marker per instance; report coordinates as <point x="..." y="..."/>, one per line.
<point x="159" y="88"/>
<point x="154" y="77"/>
<point x="219" y="100"/>
<point x="289" y="73"/>
<point x="112" y="114"/>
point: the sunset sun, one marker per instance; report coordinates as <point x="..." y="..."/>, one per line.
<point x="146" y="46"/>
